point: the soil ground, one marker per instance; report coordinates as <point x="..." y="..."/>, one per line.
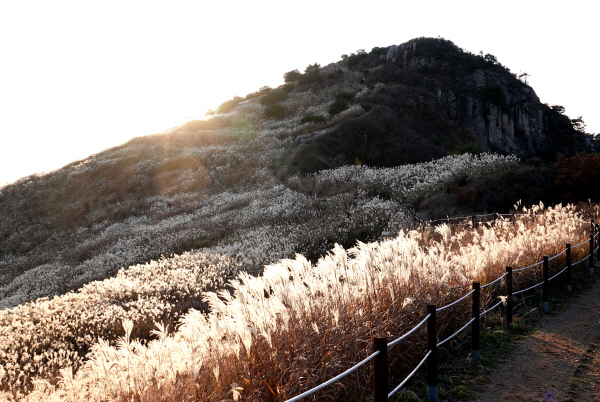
<point x="559" y="362"/>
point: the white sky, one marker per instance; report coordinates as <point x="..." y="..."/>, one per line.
<point x="78" y="77"/>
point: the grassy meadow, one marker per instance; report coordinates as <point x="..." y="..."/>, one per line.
<point x="265" y="337"/>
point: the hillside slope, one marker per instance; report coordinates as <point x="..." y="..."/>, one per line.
<point x="231" y="185"/>
<point x="327" y="158"/>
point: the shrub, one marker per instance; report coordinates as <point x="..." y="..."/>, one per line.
<point x="256" y="94"/>
<point x="345" y="96"/>
<point x="338" y="106"/>
<point x="252" y="95"/>
<point x="311" y="74"/>
<point x="310" y="78"/>
<point x="379" y="50"/>
<point x="291" y="76"/>
<point x="289" y="87"/>
<point x="313" y="118"/>
<point x="355" y="58"/>
<point x="312" y="69"/>
<point x="273" y="96"/>
<point x="264" y="90"/>
<point x="275" y="111"/>
<point x="228" y="106"/>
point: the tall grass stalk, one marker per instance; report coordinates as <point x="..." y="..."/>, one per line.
<point x="299" y="324"/>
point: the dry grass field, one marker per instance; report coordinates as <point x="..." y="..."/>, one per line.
<point x="271" y="336"/>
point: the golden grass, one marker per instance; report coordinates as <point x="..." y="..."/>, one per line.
<point x="299" y="324"/>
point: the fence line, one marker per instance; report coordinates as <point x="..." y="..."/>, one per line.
<point x="379" y="370"/>
<point x="491" y="308"/>
<point x="456" y="333"/>
<point x="409" y="376"/>
<point x="471" y="219"/>
<point x="491" y="283"/>
<point x="334" y="379"/>
<point x="459" y="300"/>
<point x="409" y="332"/>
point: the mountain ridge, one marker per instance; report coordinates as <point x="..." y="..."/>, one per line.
<point x="434" y="99"/>
<point x="206" y="185"/>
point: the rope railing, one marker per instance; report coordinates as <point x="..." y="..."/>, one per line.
<point x="557" y="255"/>
<point x="563" y="270"/>
<point x="334" y="379"/>
<point x="529" y="266"/>
<point x="457" y="301"/>
<point x="580" y="261"/>
<point x="395" y="341"/>
<point x="491" y="283"/>
<point x="580" y="244"/>
<point x="491" y="308"/>
<point x="409" y="376"/>
<point x="456" y="333"/>
<point x="525" y="290"/>
<point x="474" y="321"/>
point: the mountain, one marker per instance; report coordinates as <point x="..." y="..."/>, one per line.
<point x="293" y="169"/>
<point x="428" y="98"/>
<point x="352" y="152"/>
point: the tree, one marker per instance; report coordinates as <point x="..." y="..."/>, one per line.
<point x="312" y="68"/>
<point x="273" y="96"/>
<point x="291" y="76"/>
<point x="523" y="77"/>
<point x="490" y="58"/>
<point x="275" y="111"/>
<point x="264" y="90"/>
<point x="579" y="124"/>
<point x="227" y="106"/>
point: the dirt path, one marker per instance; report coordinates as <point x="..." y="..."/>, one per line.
<point x="543" y="364"/>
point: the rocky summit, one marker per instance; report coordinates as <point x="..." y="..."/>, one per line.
<point x="429" y="98"/>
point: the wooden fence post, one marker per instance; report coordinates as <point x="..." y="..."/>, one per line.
<point x="568" y="258"/>
<point x="475" y="324"/>
<point x="509" y="302"/>
<point x="545" y="286"/>
<point x="432" y="384"/>
<point x="597" y="243"/>
<point x="591" y="265"/>
<point x="380" y="369"/>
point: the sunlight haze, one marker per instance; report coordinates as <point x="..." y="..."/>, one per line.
<point x="79" y="77"/>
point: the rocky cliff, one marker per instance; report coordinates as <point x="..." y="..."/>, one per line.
<point x="428" y="98"/>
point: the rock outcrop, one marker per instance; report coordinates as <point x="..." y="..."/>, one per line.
<point x="428" y="98"/>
